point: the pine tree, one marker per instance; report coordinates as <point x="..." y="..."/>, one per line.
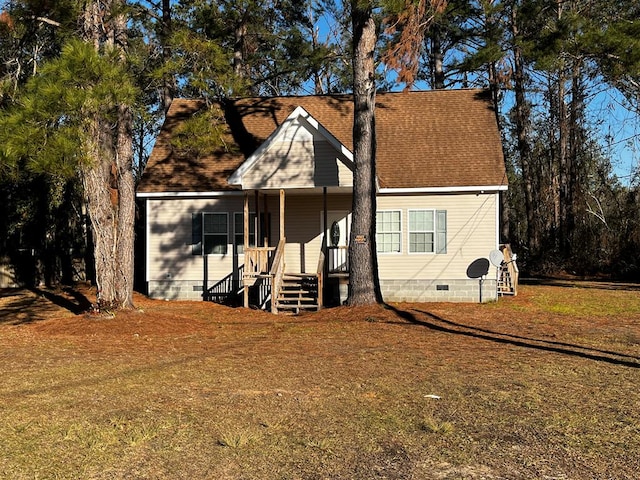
<point x="62" y="125"/>
<point x="364" y="284"/>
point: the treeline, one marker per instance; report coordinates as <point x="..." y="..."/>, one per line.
<point x="64" y="120"/>
<point x="546" y="63"/>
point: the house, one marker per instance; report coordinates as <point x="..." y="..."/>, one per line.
<point x="266" y="214"/>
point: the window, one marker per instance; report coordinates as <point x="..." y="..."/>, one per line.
<point x="215" y="233"/>
<point x="427" y="231"/>
<point x="238" y="231"/>
<point x="388" y="231"/>
<point x="421" y="231"/>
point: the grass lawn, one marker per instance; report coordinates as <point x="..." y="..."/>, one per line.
<point x="545" y="385"/>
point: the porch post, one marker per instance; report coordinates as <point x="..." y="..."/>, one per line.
<point x="325" y="244"/>
<point x="325" y="218"/>
<point x="325" y="239"/>
<point x="256" y="221"/>
<point x="245" y="288"/>
<point x="246" y="221"/>
<point x="267" y="226"/>
<point x="282" y="214"/>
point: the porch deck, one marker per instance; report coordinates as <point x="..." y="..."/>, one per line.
<point x="284" y="290"/>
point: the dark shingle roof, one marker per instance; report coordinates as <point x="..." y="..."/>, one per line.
<point x="445" y="138"/>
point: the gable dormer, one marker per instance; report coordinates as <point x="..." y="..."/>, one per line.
<point x="300" y="153"/>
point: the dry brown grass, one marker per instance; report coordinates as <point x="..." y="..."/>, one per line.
<point x="541" y="386"/>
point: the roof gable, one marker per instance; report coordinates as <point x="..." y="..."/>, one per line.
<point x="300" y="153"/>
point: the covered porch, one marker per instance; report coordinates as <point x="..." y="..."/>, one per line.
<point x="295" y="247"/>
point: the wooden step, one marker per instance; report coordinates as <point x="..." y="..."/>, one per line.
<point x="297" y="308"/>
<point x="282" y="299"/>
<point x="298" y="292"/>
<point x="291" y="278"/>
<point x="291" y="286"/>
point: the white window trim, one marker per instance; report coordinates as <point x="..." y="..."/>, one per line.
<point x="226" y="214"/>
<point x="434" y="231"/>
<point x="399" y="252"/>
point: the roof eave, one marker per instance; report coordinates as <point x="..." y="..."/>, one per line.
<point x="217" y="193"/>
<point x="450" y="189"/>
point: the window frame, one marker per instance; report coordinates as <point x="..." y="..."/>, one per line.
<point x="205" y="234"/>
<point x="433" y="231"/>
<point x="439" y="234"/>
<point x="399" y="232"/>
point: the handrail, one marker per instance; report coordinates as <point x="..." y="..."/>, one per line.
<point x="512" y="266"/>
<point x="277" y="272"/>
<point x="320" y="272"/>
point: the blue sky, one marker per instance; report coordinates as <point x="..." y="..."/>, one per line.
<point x="620" y="132"/>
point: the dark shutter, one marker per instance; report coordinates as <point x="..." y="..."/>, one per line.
<point x="196" y="234"/>
<point x="441" y="231"/>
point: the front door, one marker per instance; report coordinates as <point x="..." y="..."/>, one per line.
<point x="337" y="234"/>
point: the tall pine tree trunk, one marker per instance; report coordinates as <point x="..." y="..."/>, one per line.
<point x="101" y="215"/>
<point x="563" y="164"/>
<point x="576" y="149"/>
<point x="168" y="81"/>
<point x="108" y="177"/>
<point x="126" y="208"/>
<point x="364" y="285"/>
<point x="522" y="126"/>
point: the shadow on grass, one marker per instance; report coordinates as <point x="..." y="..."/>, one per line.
<point x="439" y="324"/>
<point x="77" y="304"/>
<point x="24" y="306"/>
<point x="592" y="284"/>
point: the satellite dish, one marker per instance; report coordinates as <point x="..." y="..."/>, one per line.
<point x="496" y="257"/>
<point x="478" y="268"/>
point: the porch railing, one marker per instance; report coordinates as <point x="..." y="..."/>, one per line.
<point x="338" y="258"/>
<point x="258" y="260"/>
<point x="276" y="273"/>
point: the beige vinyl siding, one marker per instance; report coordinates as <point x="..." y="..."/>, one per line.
<point x="169" y="241"/>
<point x="471" y="234"/>
<point x="288" y="165"/>
<point x="330" y="167"/>
<point x="298" y="159"/>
